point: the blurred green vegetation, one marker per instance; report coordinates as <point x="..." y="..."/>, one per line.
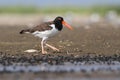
<point x="82" y="10"/>
<point x="18" y="9"/>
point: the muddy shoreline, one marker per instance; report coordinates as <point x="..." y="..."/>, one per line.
<point x="97" y="45"/>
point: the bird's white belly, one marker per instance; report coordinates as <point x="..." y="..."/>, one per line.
<point x="47" y="33"/>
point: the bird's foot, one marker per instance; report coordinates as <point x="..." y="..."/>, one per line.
<point x="55" y="49"/>
<point x="52" y="47"/>
<point x="44" y="52"/>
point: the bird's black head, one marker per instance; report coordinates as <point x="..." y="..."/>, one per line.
<point x="58" y="19"/>
<point x="58" y="23"/>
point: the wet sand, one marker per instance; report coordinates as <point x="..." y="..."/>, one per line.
<point x="98" y="39"/>
<point x="60" y="76"/>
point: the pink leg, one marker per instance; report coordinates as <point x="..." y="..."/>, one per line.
<point x="42" y="46"/>
<point x="52" y="47"/>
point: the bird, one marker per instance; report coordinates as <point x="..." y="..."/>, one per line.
<point x="46" y="30"/>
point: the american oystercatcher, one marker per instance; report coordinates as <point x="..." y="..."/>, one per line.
<point x="46" y="30"/>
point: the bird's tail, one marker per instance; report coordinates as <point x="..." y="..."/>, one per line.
<point x="25" y="31"/>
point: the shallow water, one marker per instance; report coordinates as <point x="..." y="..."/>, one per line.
<point x="90" y="70"/>
<point x="67" y="67"/>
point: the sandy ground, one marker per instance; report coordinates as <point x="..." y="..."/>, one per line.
<point x="98" y="39"/>
<point x="59" y="76"/>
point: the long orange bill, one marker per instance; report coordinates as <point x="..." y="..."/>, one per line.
<point x="67" y="25"/>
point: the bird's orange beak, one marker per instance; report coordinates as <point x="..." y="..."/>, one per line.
<point x="67" y="25"/>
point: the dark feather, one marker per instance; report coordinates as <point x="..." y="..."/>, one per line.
<point x="42" y="27"/>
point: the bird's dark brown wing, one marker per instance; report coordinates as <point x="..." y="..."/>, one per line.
<point x="41" y="27"/>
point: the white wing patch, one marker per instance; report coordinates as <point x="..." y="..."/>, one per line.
<point x="46" y="33"/>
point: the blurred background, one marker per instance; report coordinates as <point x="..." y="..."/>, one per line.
<point x="99" y="33"/>
<point x="30" y="12"/>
